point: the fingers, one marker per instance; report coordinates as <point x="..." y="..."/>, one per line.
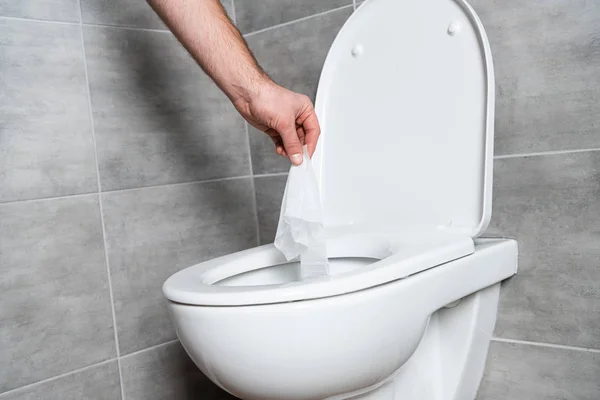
<point x="291" y="142"/>
<point x="300" y="133"/>
<point x="292" y="123"/>
<point x="307" y="119"/>
<point x="279" y="144"/>
<point x="276" y="139"/>
<point x="312" y="130"/>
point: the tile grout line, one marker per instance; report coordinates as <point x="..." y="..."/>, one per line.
<point x="548" y="345"/>
<point x="272" y="174"/>
<point x="254" y="200"/>
<point x="199" y="182"/>
<point x="155" y="346"/>
<point x="133" y="28"/>
<point x="43" y="21"/>
<point x="93" y="25"/>
<point x="265" y="175"/>
<point x="545" y="153"/>
<point x="283" y="24"/>
<point x="128" y="28"/>
<point x="101" y="208"/>
<point x="354" y="4"/>
<point x="52" y="378"/>
<point x="67" y="196"/>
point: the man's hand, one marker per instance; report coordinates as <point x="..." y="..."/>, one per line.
<point x="204" y="29"/>
<point x="288" y="118"/>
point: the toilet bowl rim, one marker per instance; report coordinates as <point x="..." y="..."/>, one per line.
<point x="397" y="257"/>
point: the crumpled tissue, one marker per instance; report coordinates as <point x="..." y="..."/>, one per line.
<point x="300" y="230"/>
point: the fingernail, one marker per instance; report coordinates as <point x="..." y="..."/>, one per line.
<point x="296" y="159"/>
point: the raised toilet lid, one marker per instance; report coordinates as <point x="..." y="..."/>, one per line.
<point x="406" y="106"/>
<point x="405" y="102"/>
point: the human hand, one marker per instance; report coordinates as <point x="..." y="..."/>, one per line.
<point x="288" y="118"/>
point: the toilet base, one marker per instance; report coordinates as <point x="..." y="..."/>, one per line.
<point x="450" y="360"/>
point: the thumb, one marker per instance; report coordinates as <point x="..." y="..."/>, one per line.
<point x="291" y="143"/>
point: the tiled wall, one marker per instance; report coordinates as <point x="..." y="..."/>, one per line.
<point x="547" y="194"/>
<point x="120" y="163"/>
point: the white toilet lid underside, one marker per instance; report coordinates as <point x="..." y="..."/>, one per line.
<point x="405" y="102"/>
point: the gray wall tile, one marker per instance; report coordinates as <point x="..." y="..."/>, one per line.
<point x="253" y="15"/>
<point x="293" y="56"/>
<point x="46" y="146"/>
<point x="269" y="193"/>
<point x="154" y="232"/>
<point x="546" y="59"/>
<point x="165" y="373"/>
<point x="100" y="382"/>
<point x="158" y="118"/>
<point x="555" y="121"/>
<point x="550" y="204"/>
<point x="523" y="372"/>
<point x="55" y="314"/>
<point x="130" y="13"/>
<point x="54" y="10"/>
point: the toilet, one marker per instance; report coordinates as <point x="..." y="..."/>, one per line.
<point x="404" y="165"/>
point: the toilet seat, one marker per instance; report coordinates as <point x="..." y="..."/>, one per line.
<point x="400" y="255"/>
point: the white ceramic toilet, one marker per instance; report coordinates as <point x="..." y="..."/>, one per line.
<point x="406" y="105"/>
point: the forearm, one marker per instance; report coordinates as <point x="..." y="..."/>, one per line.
<point x="204" y="29"/>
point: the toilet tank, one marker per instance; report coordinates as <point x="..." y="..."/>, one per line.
<point x="406" y="106"/>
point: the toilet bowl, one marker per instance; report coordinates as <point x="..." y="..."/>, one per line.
<point x="404" y="166"/>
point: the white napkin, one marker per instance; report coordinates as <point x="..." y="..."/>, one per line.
<point x="300" y="231"/>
